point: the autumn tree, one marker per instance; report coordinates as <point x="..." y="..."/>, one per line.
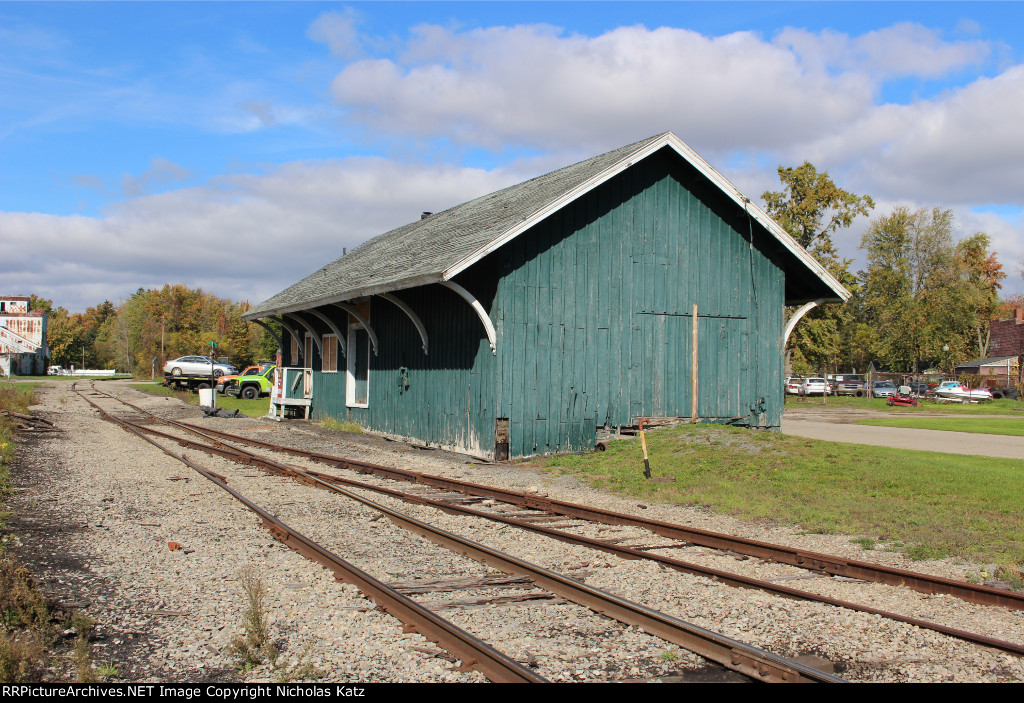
<point x="924" y="292"/>
<point x="811" y="208"/>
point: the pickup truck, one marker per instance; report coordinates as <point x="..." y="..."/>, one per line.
<point x="848" y="384"/>
<point x="250" y="384"/>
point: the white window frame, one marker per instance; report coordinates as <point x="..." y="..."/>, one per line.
<point x="350" y="367"/>
<point x="329" y="345"/>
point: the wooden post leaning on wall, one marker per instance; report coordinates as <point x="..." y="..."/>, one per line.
<point x="693" y="373"/>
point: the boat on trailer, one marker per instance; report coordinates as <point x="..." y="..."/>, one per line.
<point x="956" y="391"/>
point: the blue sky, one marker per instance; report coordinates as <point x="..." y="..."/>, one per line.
<point x="143" y="143"/>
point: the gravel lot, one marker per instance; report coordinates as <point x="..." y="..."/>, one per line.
<point x="96" y="508"/>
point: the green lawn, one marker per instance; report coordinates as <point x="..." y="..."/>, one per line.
<point x="982" y="425"/>
<point x="925" y="504"/>
<point x="252" y="408"/>
<point x="1004" y="406"/>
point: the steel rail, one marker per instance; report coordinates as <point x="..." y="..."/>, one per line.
<point x="748" y="660"/>
<point x="473" y="652"/>
<point x="316" y="478"/>
<point x="625" y="552"/>
<point x="801" y="558"/>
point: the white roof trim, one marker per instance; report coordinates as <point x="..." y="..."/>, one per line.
<point x="697" y="162"/>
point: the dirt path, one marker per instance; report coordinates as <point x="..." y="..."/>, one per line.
<point x="838" y="425"/>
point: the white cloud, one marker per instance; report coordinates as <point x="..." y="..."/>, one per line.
<point x="161" y="173"/>
<point x="903" y="49"/>
<point x="244" y="237"/>
<point x="338" y="31"/>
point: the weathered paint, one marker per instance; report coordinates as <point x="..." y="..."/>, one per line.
<point x="593" y="317"/>
<point x="443" y="399"/>
<point x="594" y="314"/>
<point x="23" y="336"/>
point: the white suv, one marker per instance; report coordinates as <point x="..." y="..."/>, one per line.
<point x="815" y="386"/>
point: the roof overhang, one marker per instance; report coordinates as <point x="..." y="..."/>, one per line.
<point x="790" y="245"/>
<point x="706" y="169"/>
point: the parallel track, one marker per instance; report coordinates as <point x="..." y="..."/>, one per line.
<point x="582" y="512"/>
<point x="755" y="663"/>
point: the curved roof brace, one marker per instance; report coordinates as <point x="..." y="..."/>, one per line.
<point x="362" y="320"/>
<point x="411" y="315"/>
<point x="334" y="328"/>
<point x="797" y="316"/>
<point x="275" y="335"/>
<point x="312" y="333"/>
<point x="294" y="333"/>
<point x="492" y="336"/>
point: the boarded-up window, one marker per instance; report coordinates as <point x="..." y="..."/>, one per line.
<point x="358" y="377"/>
<point x="330" y="348"/>
<point x="307" y="359"/>
<point x="295" y="352"/>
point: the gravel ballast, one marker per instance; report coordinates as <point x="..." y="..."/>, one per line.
<point x="96" y="508"/>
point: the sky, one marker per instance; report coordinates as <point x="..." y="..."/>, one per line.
<point x="239" y="146"/>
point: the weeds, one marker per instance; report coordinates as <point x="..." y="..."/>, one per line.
<point x="83" y="626"/>
<point x="866" y="543"/>
<point x="108" y="670"/>
<point x="669" y="657"/>
<point x="255" y="646"/>
<point x="330" y="423"/>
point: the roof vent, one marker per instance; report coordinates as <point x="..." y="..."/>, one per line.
<point x="425" y="215"/>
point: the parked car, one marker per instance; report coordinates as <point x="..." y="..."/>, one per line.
<point x="882" y="389"/>
<point x="197" y="366"/>
<point x="815" y="386"/>
<point x="792" y="385"/>
<point x="918" y="387"/>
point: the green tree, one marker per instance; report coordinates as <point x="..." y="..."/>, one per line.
<point x="811" y="208"/>
<point x="924" y="292"/>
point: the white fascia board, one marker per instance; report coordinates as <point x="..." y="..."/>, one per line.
<point x="697" y="162"/>
<point x="347" y="295"/>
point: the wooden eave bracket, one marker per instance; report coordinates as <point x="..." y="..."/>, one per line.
<point x="401" y="305"/>
<point x="797" y="316"/>
<point x="485" y="319"/>
<point x="334" y="328"/>
<point x="312" y="333"/>
<point x="362" y="320"/>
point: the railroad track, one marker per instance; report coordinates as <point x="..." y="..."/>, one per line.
<point x="750" y="661"/>
<point x="459" y="497"/>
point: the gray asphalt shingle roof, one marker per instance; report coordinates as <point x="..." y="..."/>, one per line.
<point x="421" y="252"/>
<point x="418" y="253"/>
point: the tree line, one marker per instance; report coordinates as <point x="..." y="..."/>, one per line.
<point x="923" y="302"/>
<point x="158" y="324"/>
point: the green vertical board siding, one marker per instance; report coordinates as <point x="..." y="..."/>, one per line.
<point x="449" y="398"/>
<point x="594" y="312"/>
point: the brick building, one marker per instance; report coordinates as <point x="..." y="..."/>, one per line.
<point x="23" y="349"/>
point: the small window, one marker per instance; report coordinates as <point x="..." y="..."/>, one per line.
<point x="295" y="352"/>
<point x="357" y="386"/>
<point x="330" y="358"/>
<point x="307" y="354"/>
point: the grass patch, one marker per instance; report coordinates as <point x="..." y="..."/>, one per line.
<point x="1003" y="406"/>
<point x="1011" y="426"/>
<point x="253" y="408"/>
<point x="936" y="504"/>
<point x="330" y="423"/>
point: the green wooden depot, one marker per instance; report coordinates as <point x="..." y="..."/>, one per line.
<point x="638" y="283"/>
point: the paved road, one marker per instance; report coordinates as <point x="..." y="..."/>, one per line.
<point x="838" y="426"/>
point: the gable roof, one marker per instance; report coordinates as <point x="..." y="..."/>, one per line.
<point x="442" y="245"/>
